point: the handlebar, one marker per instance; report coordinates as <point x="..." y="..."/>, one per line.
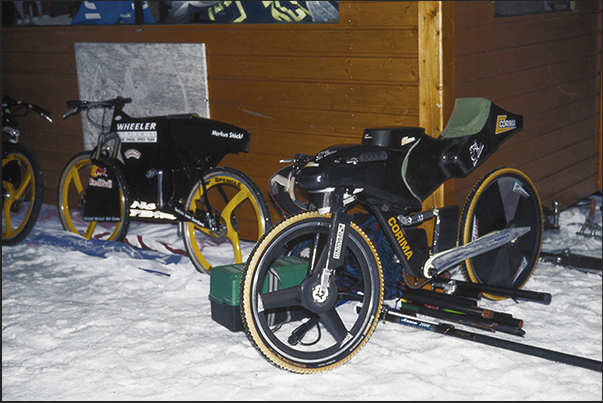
<point x="78" y="105"/>
<point x="8" y="102"/>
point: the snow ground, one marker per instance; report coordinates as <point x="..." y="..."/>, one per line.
<point x="79" y="324"/>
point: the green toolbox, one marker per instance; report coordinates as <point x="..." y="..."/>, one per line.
<point x="225" y="282"/>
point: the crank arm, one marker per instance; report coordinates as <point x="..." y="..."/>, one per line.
<point x="188" y="217"/>
<point x="442" y="261"/>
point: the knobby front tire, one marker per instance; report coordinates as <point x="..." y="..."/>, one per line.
<point x="243" y="216"/>
<point x="72" y="187"/>
<point x="503" y="198"/>
<point x="335" y="333"/>
<point x="22" y="193"/>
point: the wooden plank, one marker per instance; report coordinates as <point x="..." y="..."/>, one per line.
<point x="28" y="62"/>
<point x="383" y="98"/>
<point x="554" y="96"/>
<point x="515" y="83"/>
<point x="308" y="120"/>
<point x="400" y="41"/>
<point x="475" y="14"/>
<point x="483" y="65"/>
<point x="377" y="13"/>
<point x="436" y="71"/>
<point x="516" y="32"/>
<point x="37" y="81"/>
<point x="321" y="69"/>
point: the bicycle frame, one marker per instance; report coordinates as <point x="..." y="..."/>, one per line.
<point x="386" y="175"/>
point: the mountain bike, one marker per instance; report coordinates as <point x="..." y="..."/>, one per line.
<point x="22" y="181"/>
<point x="162" y="169"/>
<point x="335" y="308"/>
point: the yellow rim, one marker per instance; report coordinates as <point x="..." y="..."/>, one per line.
<point x="226" y="214"/>
<point x="467" y="228"/>
<point x="27" y="184"/>
<point x="72" y="178"/>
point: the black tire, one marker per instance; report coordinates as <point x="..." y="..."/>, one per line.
<point x="504" y="198"/>
<point x="72" y="188"/>
<point x="243" y="211"/>
<point x="337" y="331"/>
<point x="22" y="193"/>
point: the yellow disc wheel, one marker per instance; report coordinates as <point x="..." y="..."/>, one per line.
<point x="72" y="188"/>
<point x="239" y="214"/>
<point x="504" y="198"/>
<point x="292" y="321"/>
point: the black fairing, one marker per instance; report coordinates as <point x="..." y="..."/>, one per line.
<point x="176" y="145"/>
<point x="400" y="167"/>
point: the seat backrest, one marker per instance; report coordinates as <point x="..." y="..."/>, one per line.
<point x="468" y="117"/>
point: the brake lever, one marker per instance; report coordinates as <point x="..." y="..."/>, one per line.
<point x="71" y="112"/>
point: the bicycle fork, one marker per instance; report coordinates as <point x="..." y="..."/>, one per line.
<point x="333" y="255"/>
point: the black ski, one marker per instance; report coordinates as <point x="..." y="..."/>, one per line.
<point x="572" y="260"/>
<point x="397" y="316"/>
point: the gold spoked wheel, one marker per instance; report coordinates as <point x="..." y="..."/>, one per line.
<point x="22" y="193"/>
<point x="293" y="325"/>
<point x="504" y="198"/>
<point x="241" y="214"/>
<point x="72" y="188"/>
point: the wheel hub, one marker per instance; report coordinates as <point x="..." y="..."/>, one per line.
<point x="315" y="298"/>
<point x="219" y="230"/>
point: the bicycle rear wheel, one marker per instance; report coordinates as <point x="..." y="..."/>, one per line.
<point x="22" y="193"/>
<point x="504" y="198"/>
<point x="73" y="185"/>
<point x="242" y="212"/>
<point x="316" y="332"/>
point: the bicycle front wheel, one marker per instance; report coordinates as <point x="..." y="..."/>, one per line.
<point x="22" y="193"/>
<point x="316" y="331"/>
<point x="73" y="185"/>
<point x="504" y="198"/>
<point x="242" y="215"/>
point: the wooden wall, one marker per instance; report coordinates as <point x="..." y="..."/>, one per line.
<point x="546" y="67"/>
<point x="300" y="88"/>
<point x="296" y="88"/>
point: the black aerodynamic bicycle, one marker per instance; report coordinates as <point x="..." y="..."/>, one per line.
<point x="162" y="169"/>
<point x="22" y="180"/>
<point x="495" y="238"/>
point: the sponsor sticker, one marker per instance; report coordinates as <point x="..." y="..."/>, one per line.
<point x="504" y="125"/>
<point x="228" y="135"/>
<point x="407" y="140"/>
<point x="132" y="153"/>
<point x="521" y="268"/>
<point x="339" y="241"/>
<point x="518" y="188"/>
<point x="145" y="132"/>
<point x="475" y="151"/>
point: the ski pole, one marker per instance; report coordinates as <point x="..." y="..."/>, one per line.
<point x="545" y="298"/>
<point x="433" y="299"/>
<point x="449" y="330"/>
<point x="466" y="320"/>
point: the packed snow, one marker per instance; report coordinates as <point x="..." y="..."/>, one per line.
<point x="87" y="322"/>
